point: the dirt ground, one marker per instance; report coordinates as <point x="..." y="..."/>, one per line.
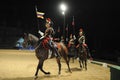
<point x="21" y="65"/>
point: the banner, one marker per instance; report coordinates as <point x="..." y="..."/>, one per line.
<point x="40" y="15"/>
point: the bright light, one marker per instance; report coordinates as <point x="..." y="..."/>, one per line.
<point x="63" y="7"/>
<point x="63" y="13"/>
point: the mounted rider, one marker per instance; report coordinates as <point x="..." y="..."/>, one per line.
<point x="82" y="43"/>
<point x="72" y="40"/>
<point x="48" y="36"/>
<point x="81" y="39"/>
<point x="71" y="45"/>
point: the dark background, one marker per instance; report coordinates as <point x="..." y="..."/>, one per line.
<point x="98" y="18"/>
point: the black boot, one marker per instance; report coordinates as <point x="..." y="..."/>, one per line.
<point x="57" y="55"/>
<point x="53" y="48"/>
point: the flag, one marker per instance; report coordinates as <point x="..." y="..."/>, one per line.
<point x="73" y="23"/>
<point x="40" y="15"/>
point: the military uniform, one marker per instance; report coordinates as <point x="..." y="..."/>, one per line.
<point x="48" y="35"/>
<point x="82" y="43"/>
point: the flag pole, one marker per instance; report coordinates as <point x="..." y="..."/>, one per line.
<point x="73" y="23"/>
<point x="36" y="17"/>
<point x="67" y="33"/>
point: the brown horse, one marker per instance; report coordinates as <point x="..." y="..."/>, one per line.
<point x="42" y="53"/>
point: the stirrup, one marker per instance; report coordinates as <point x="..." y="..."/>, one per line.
<point x="57" y="56"/>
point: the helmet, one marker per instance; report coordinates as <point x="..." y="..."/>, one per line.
<point x="81" y="30"/>
<point x="48" y="20"/>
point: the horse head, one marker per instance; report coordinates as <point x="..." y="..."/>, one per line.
<point x="30" y="39"/>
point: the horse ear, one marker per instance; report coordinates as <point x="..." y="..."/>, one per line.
<point x="25" y="34"/>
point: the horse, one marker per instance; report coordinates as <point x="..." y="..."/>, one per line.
<point x="82" y="56"/>
<point x="71" y="52"/>
<point x="42" y="54"/>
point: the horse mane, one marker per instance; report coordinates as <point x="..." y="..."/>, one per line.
<point x="35" y="38"/>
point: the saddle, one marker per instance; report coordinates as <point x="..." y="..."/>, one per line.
<point x="45" y="42"/>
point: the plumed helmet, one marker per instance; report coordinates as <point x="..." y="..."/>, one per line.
<point x="48" y="20"/>
<point x="81" y="30"/>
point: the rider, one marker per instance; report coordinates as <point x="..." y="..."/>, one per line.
<point x="49" y="32"/>
<point x="72" y="40"/>
<point x="71" y="44"/>
<point x="62" y="39"/>
<point x="82" y="43"/>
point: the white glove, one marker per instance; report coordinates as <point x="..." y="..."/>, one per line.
<point x="41" y="33"/>
<point x="42" y="37"/>
<point x="74" y="37"/>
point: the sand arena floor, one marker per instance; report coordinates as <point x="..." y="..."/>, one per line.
<point x="21" y="65"/>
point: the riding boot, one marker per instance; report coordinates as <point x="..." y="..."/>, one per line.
<point x="53" y="48"/>
<point x="56" y="53"/>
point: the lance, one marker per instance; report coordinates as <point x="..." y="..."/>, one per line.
<point x="73" y="24"/>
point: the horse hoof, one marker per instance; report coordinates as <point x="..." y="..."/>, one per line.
<point x="35" y="77"/>
<point x="47" y="73"/>
<point x="59" y="73"/>
<point x="70" y="71"/>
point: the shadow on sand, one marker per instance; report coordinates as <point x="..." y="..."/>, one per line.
<point x="76" y="69"/>
<point x="44" y="77"/>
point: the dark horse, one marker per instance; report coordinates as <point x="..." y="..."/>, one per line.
<point x="82" y="56"/>
<point x="72" y="51"/>
<point x="42" y="54"/>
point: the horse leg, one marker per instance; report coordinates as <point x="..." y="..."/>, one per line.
<point x="80" y="63"/>
<point x="85" y="64"/>
<point x="40" y="66"/>
<point x="37" y="71"/>
<point x="73" y="59"/>
<point x="67" y="62"/>
<point x="59" y="65"/>
<point x="66" y="59"/>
